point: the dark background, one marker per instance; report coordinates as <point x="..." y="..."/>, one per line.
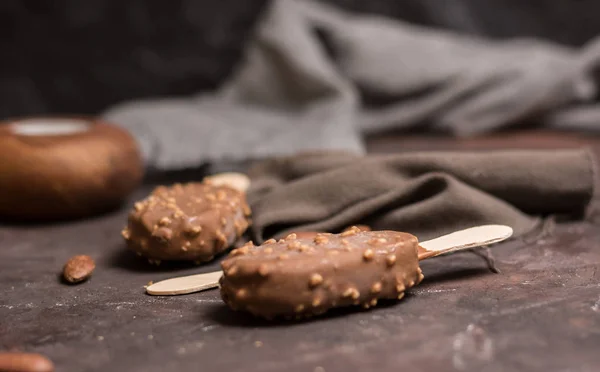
<point x="73" y="56"/>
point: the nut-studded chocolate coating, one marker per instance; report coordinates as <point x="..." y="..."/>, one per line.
<point x="193" y="221"/>
<point x="302" y="276"/>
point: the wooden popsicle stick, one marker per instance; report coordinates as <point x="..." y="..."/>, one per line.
<point x="185" y="284"/>
<point x="456" y="241"/>
<point x="464" y="239"/>
<point x="238" y="181"/>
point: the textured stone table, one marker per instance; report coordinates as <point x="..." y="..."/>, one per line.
<point x="541" y="313"/>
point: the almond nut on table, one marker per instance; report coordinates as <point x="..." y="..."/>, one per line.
<point x="78" y="268"/>
<point x="24" y="362"/>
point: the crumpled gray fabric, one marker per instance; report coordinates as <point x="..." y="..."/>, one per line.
<point x="427" y="193"/>
<point x="291" y="94"/>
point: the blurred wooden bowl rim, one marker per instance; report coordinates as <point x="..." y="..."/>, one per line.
<point x="55" y="168"/>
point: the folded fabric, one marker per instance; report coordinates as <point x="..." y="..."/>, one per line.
<point x="297" y="91"/>
<point x="427" y="194"/>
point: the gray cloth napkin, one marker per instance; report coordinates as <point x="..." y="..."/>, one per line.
<point x="428" y="194"/>
<point x="294" y="92"/>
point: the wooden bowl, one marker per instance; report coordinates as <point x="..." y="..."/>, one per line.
<point x="64" y="168"/>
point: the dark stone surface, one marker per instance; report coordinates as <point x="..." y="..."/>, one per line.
<point x="541" y="313"/>
<point x="69" y="56"/>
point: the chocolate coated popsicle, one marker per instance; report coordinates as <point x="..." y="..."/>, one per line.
<point x="193" y="221"/>
<point x="308" y="276"/>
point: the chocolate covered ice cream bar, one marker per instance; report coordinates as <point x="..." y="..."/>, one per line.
<point x="298" y="277"/>
<point x="193" y="221"/>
